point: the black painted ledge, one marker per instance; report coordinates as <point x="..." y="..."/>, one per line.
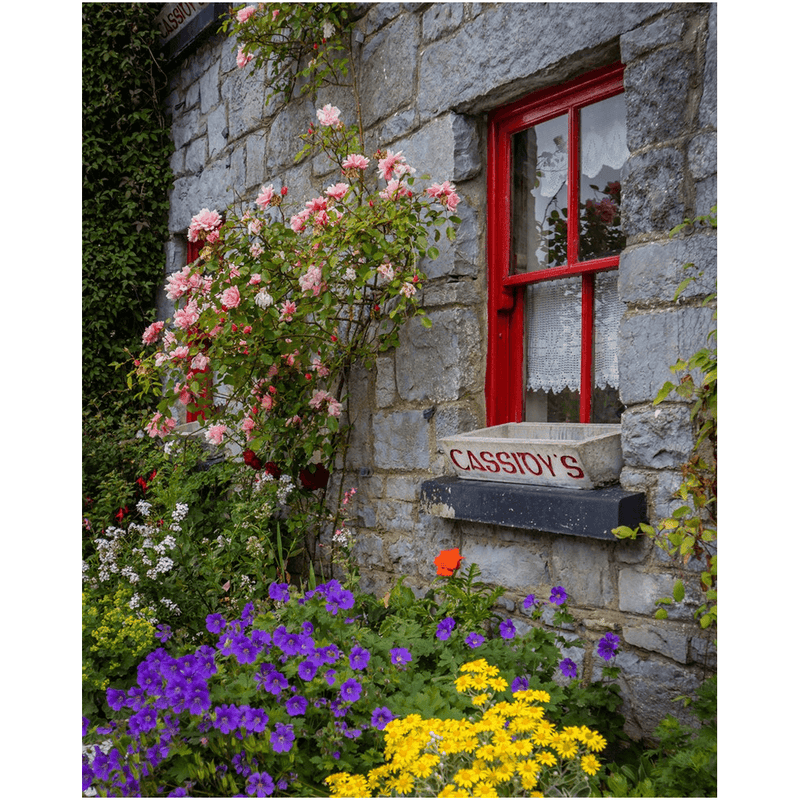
<point x="574" y="512"/>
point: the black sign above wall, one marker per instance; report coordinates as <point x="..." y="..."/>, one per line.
<point x="184" y="25"/>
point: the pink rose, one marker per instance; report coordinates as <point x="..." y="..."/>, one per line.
<point x="242" y="58"/>
<point x="267" y="193"/>
<point x="338" y="190"/>
<point x="200" y="362"/>
<point x="328" y="116"/>
<point x="319" y="397"/>
<point x="355" y="161"/>
<point x="157" y="428"/>
<point x="394" y="164"/>
<point x="245" y="13"/>
<point x="230" y="297"/>
<point x="445" y="192"/>
<point x="187" y="316"/>
<point x="311" y="280"/>
<point x="152" y="332"/>
<point x="215" y="434"/>
<point x="203" y="223"/>
<point x="287" y="310"/>
<point x="394" y="190"/>
<point x="298" y="221"/>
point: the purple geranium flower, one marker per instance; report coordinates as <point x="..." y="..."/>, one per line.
<point x="255" y="719"/>
<point x="519" y="684"/>
<point x="282" y="738"/>
<point x="569" y="669"/>
<point x="381" y="717"/>
<point x="260" y="784"/>
<point x="296" y="706"/>
<point x="229" y="718"/>
<point x="350" y="690"/>
<point x="529" y="601"/>
<point x="338" y="597"/>
<point x="359" y="658"/>
<point x="163" y="633"/>
<point x="245" y="650"/>
<point x="198" y="699"/>
<point x="507" y="629"/>
<point x="474" y="640"/>
<point x="307" y="669"/>
<point x="607" y="646"/>
<point x="275" y="682"/>
<point x="558" y="596"/>
<point x="215" y="623"/>
<point x="400" y="656"/>
<point x="445" y="628"/>
<point x="279" y="592"/>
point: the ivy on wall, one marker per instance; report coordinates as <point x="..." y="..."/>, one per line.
<point x="126" y="177"/>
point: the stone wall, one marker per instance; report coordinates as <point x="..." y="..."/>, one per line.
<point x="429" y="73"/>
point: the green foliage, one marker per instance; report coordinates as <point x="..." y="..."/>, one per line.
<point x="300" y="42"/>
<point x="684" y="762"/>
<point x="690" y="531"/>
<point x="126" y="176"/>
<point x="114" y="641"/>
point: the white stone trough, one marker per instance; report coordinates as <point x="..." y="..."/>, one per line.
<point x="567" y="455"/>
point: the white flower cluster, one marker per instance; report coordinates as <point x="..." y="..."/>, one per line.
<point x="138" y="547"/>
<point x="285" y="487"/>
<point x="163" y="565"/>
<point x="254" y="547"/>
<point x="167" y="603"/>
<point x="343" y="537"/>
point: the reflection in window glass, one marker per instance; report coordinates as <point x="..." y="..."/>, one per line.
<point x="604" y="150"/>
<point x="539" y="202"/>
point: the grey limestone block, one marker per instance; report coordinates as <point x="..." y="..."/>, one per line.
<point x="439" y="363"/>
<point x="650" y="342"/>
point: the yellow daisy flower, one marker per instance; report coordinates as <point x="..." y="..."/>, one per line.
<point x="590" y="764"/>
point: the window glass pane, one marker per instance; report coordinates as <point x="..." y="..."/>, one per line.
<point x="604" y="150"/>
<point x="539" y="196"/>
<point x="554" y="334"/>
<point x="608" y="311"/>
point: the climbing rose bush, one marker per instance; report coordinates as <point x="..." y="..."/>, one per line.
<point x="279" y="306"/>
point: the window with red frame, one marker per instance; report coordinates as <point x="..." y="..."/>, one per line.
<point x="199" y="413"/>
<point x="554" y="240"/>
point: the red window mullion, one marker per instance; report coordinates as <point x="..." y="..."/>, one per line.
<point x="506" y="318"/>
<point x="587" y="336"/>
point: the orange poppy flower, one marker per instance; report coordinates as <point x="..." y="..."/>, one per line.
<point x="448" y="561"/>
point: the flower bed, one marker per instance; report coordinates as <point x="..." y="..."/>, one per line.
<point x="280" y="696"/>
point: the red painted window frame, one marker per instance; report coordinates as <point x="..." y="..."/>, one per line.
<point x="192" y="253"/>
<point x="506" y="307"/>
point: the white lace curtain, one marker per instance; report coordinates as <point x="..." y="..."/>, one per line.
<point x="604" y="142"/>
<point x="554" y="333"/>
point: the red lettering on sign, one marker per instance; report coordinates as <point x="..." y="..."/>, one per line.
<point x="547" y="463"/>
<point x="505" y="462"/>
<point x="475" y="462"/>
<point x="525" y="457"/>
<point x="521" y="468"/>
<point x="573" y="466"/>
<point x="453" y="459"/>
<point x="491" y="464"/>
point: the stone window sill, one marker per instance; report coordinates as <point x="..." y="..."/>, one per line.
<point x="573" y="512"/>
